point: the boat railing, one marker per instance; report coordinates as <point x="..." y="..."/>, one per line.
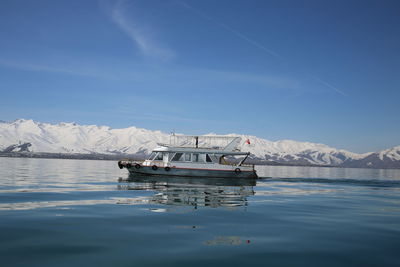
<point x="214" y="142"/>
<point x="201" y="147"/>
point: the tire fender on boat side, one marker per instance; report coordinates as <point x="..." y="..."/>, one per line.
<point x="167" y="169"/>
<point x="128" y="165"/>
<point x="237" y="170"/>
<point x="137" y="166"/>
<point x="154" y="167"/>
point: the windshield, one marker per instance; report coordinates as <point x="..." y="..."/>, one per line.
<point x="177" y="157"/>
<point x="152" y="155"/>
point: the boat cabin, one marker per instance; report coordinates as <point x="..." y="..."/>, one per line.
<point x="198" y="152"/>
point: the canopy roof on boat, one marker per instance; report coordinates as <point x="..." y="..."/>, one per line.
<point x="167" y="148"/>
<point x="208" y="142"/>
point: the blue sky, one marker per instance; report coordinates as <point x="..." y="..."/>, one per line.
<point x="319" y="71"/>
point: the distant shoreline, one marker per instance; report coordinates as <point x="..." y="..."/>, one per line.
<point x="119" y="157"/>
<point x="44" y="155"/>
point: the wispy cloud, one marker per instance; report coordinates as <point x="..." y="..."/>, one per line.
<point x="154" y="77"/>
<point x="137" y="33"/>
<point x="265" y="81"/>
<point x="76" y="69"/>
<point x="140" y="112"/>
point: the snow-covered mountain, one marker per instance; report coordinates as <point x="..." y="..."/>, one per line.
<point x="74" y="138"/>
<point x="29" y="135"/>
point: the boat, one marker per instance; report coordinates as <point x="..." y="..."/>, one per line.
<point x="195" y="156"/>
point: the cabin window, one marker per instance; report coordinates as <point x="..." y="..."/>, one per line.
<point x="188" y="157"/>
<point x="152" y="155"/>
<point x="177" y="157"/>
<point x="214" y="158"/>
<point x="159" y="156"/>
<point x="208" y="159"/>
<point x="199" y="157"/>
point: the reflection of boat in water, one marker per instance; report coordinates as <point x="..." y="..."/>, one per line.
<point x="213" y="192"/>
<point x="195" y="156"/>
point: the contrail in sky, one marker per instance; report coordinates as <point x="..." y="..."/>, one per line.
<point x="254" y="43"/>
<point x="327" y="85"/>
<point x="226" y="27"/>
<point x="251" y="41"/>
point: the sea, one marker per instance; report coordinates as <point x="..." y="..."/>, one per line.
<point x="59" y="212"/>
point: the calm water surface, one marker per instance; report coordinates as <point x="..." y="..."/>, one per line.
<point x="90" y="213"/>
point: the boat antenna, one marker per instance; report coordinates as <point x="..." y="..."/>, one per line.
<point x="172" y="137"/>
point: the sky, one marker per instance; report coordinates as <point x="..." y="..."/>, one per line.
<point x="318" y="71"/>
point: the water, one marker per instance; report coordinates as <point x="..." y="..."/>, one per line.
<point x="85" y="213"/>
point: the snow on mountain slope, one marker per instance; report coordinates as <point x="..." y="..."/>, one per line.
<point x="392" y="153"/>
<point x="288" y="151"/>
<point x="73" y="138"/>
<point x="389" y="158"/>
<point x="85" y="139"/>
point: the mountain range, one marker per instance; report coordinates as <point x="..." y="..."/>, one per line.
<point x="70" y="138"/>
